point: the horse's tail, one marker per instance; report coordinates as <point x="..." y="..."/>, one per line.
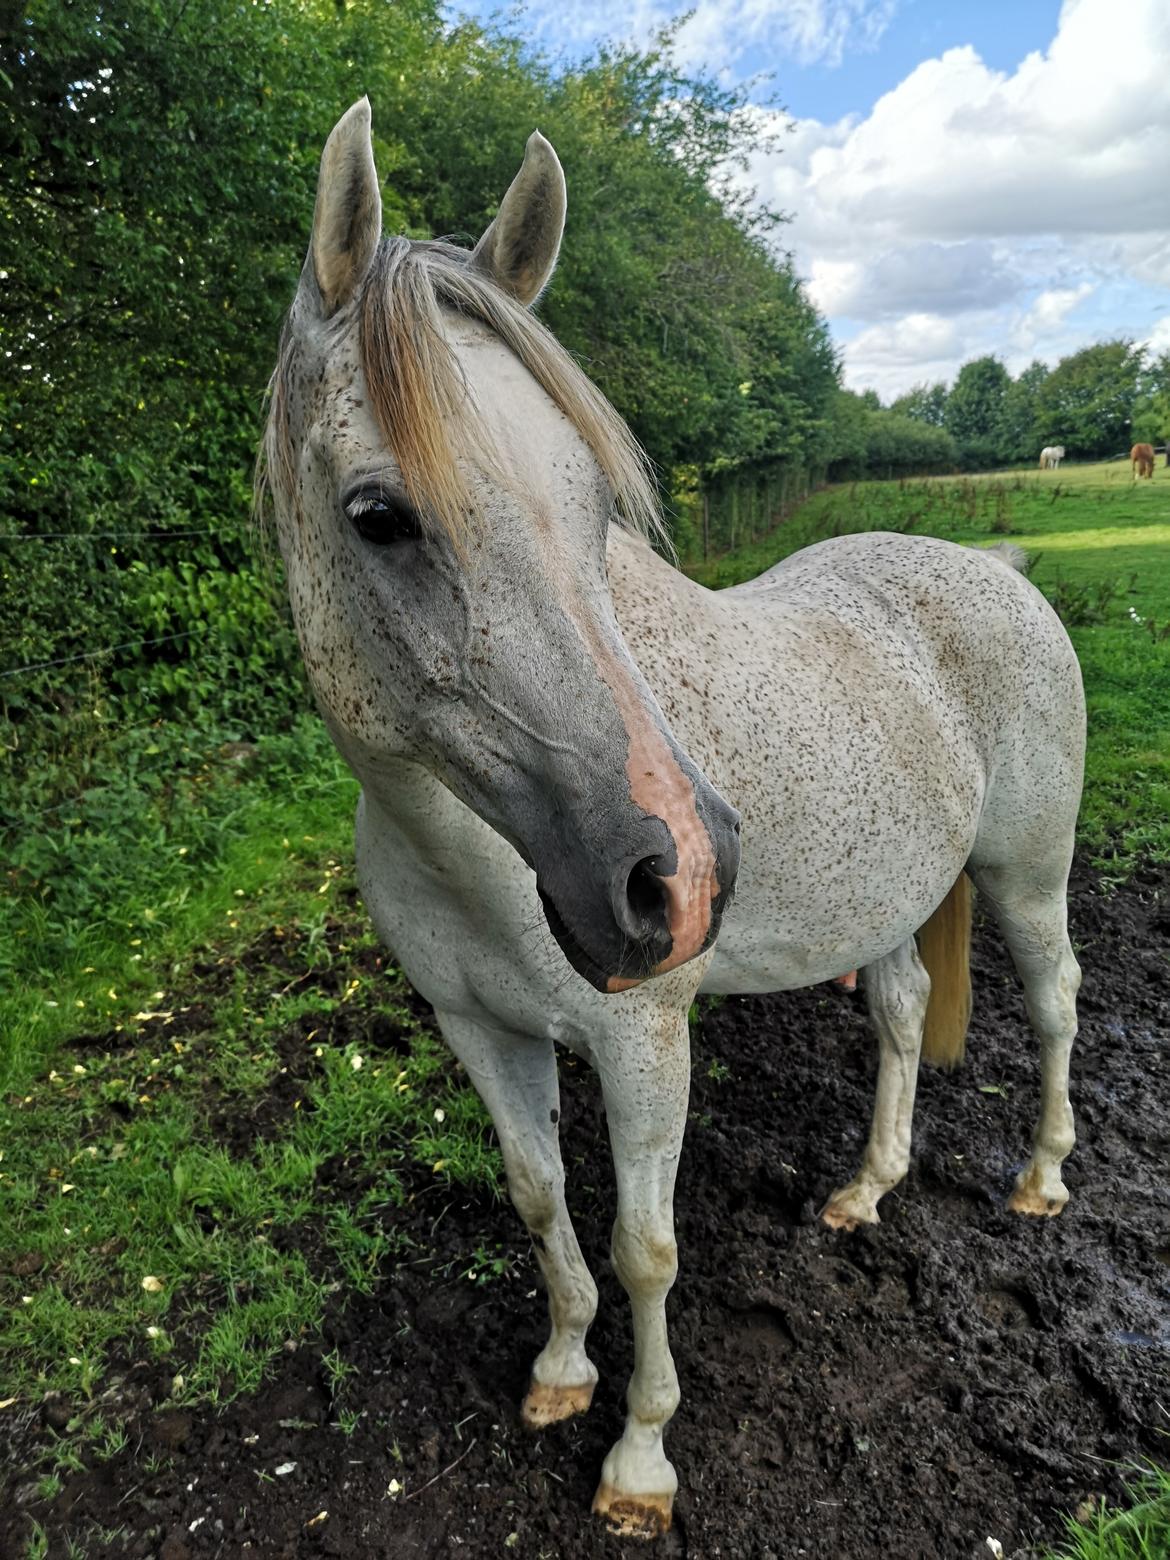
<point x="944" y="945"/>
<point x="1007" y="552"/>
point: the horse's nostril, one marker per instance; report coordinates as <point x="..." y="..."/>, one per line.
<point x="646" y="897"/>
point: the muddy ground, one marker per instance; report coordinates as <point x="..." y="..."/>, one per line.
<point x="904" y="1391"/>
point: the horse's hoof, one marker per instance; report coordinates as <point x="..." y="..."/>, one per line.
<point x="633" y="1516"/>
<point x="544" y="1406"/>
<point x="846" y="1211"/>
<point x="1026" y="1200"/>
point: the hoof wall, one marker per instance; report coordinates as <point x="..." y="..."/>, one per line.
<point x="633" y="1516"/>
<point x="1025" y="1200"/>
<point x="544" y="1406"/>
<point x="847" y="1213"/>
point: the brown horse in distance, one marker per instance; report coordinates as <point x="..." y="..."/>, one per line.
<point x="1141" y="458"/>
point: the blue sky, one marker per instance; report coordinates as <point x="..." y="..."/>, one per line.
<point x="964" y="176"/>
<point x="1002" y="31"/>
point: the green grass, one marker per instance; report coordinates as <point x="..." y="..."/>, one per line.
<point x="130" y="1220"/>
<point x="1140" y="1531"/>
<point x="1101" y="545"/>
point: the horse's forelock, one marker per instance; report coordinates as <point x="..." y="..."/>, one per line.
<point x="420" y="398"/>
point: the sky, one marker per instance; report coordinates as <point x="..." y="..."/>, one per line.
<point x="963" y="176"/>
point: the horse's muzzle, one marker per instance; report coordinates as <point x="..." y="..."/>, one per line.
<point x="653" y="911"/>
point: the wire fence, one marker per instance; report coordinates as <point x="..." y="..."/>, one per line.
<point x="151" y="537"/>
<point x="95" y="655"/>
<point x="106" y="536"/>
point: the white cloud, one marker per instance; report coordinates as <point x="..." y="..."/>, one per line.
<point x="718" y="33"/>
<point x="918" y="338"/>
<point x="1004" y="200"/>
<point x="1158" y="341"/>
<point x="1051" y="309"/>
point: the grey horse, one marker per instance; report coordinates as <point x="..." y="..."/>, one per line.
<point x="559" y="737"/>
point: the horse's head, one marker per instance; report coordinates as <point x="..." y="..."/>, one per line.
<point x="443" y="478"/>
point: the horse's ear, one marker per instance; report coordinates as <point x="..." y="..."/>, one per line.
<point x="347" y="219"/>
<point x="520" y="248"/>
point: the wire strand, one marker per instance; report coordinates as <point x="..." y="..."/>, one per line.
<point x="106" y="536"/>
<point x="94" y="655"/>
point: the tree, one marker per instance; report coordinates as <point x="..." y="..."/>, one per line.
<point x="1151" y="421"/>
<point x="1087" y="402"/>
<point x="1020" y="439"/>
<point x="924" y="403"/>
<point x="975" y="410"/>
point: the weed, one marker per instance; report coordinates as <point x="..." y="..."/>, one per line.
<point x="37" y="1544"/>
<point x="337" y="1371"/>
<point x="1084" y="603"/>
<point x="486" y="1265"/>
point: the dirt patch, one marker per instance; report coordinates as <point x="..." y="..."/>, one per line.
<point x="903" y="1391"/>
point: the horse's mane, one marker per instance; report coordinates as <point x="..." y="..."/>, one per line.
<point x="421" y="400"/>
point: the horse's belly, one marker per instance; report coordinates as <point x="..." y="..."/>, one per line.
<point x="846" y="888"/>
<point x="755" y="954"/>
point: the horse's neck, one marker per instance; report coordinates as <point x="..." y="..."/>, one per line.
<point x="652" y="600"/>
<point x="423" y="812"/>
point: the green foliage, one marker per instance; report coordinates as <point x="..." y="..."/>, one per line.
<point x="1088" y="399"/>
<point x="1020" y="436"/>
<point x="975" y="410"/>
<point x="925" y="403"/>
<point x="1096" y="403"/>
<point x="1151" y="421"/>
<point x="864" y="441"/>
<point x="121" y="1162"/>
<point x="1084" y="603"/>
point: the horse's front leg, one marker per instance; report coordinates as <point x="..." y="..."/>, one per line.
<point x="897" y="989"/>
<point x="645" y="1077"/>
<point x="516" y="1077"/>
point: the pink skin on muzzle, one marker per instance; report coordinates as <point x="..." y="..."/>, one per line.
<point x="660" y="788"/>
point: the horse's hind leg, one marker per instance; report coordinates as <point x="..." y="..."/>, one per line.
<point x="1031" y="911"/>
<point x="516" y="1077"/>
<point x="897" y="988"/>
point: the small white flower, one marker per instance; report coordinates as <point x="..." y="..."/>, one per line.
<point x="355" y="1062"/>
<point x="440" y="1115"/>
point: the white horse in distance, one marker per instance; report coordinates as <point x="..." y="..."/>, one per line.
<point x="1051" y="456"/>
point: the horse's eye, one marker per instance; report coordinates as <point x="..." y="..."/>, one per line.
<point x="382" y="518"/>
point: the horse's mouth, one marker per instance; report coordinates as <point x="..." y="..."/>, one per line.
<point x="631" y="967"/>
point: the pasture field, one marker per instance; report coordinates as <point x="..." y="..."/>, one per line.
<point x="240" y="1177"/>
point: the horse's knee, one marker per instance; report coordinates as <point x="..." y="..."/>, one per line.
<point x="535" y="1190"/>
<point x="645" y="1254"/>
